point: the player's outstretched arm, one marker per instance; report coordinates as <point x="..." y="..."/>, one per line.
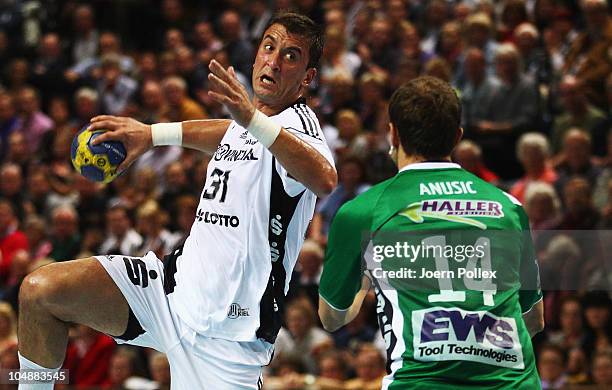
<point x="303" y="162"/>
<point x="204" y="135"/>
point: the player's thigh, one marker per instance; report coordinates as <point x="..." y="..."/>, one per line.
<point x="79" y="291"/>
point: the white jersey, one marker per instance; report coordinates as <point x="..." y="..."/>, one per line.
<point x="236" y="264"/>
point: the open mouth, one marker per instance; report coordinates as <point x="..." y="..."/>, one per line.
<point x="267" y="80"/>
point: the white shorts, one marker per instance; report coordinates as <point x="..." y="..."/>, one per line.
<point x="196" y="361"/>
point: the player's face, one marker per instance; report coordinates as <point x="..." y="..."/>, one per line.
<point x="280" y="70"/>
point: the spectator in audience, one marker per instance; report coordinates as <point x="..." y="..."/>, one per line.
<point x="33" y="123"/>
<point x="21" y="266"/>
<point x="379" y="54"/>
<point x="533" y="153"/>
<point x="350" y="184"/>
<point x="180" y="106"/>
<point x="86" y="102"/>
<point x="577" y="367"/>
<point x="571" y="333"/>
<point x="160" y="370"/>
<point x="543" y="208"/>
<point x="579" y="210"/>
<point x="576" y="159"/>
<point x="8" y="327"/>
<point x="115" y="88"/>
<point x="305" y="281"/>
<point x="122" y="238"/>
<point x="450" y="45"/>
<point x="153" y="103"/>
<point x="512" y="109"/>
<point x="602" y="368"/>
<point x="588" y="57"/>
<point x="150" y="221"/>
<point x="551" y="365"/>
<point x="336" y="59"/>
<point x="91" y="203"/>
<point x="9" y="122"/>
<point x="35" y="229"/>
<point x="239" y="49"/>
<point x="598" y="321"/>
<point x="88" y="357"/>
<point x="301" y="339"/>
<point x="65" y="236"/>
<point x="369" y="367"/>
<point x="373" y="109"/>
<point x="85" y="44"/>
<point x="48" y="68"/>
<point x="577" y="112"/>
<point x="11" y="187"/>
<point x="469" y="155"/>
<point x="11" y="238"/>
<point x="122" y="372"/>
<point x="206" y="41"/>
<point x="477" y="90"/>
<point x="186" y="206"/>
<point x="479" y="34"/>
<point x="18" y="77"/>
<point x="193" y="72"/>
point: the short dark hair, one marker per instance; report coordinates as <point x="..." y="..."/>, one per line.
<point x="305" y="27"/>
<point x="427" y="113"/>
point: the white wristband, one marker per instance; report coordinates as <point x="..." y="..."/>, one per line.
<point x="263" y="128"/>
<point x="167" y="133"/>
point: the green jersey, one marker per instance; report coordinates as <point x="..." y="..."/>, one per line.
<point x="454" y="270"/>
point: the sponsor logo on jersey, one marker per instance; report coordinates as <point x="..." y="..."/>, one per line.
<point x="441" y="334"/>
<point x="453" y="210"/>
<point x="226" y="153"/>
<point x="217" y="219"/>
<point x="236" y="311"/>
<point x="276" y="227"/>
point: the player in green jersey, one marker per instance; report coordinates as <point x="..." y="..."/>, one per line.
<point x="449" y="256"/>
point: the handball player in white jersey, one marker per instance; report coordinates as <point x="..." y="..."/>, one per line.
<point x="215" y="304"/>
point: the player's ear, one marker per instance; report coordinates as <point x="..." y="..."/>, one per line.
<point x="394" y="139"/>
<point x="310" y="75"/>
<point x="459" y="135"/>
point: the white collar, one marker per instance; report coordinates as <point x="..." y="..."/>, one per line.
<point x="430" y="165"/>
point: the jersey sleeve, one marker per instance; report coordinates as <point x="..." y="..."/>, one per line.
<point x="530" y="292"/>
<point x="342" y="271"/>
<point x="302" y="123"/>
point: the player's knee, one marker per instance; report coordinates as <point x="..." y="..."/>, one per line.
<point x="41" y="288"/>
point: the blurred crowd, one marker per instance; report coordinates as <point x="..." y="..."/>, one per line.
<point x="534" y="77"/>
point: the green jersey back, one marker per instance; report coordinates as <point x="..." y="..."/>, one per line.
<point x="453" y="268"/>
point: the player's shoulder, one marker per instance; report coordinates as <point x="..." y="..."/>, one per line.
<point x="512" y="207"/>
<point x="364" y="204"/>
<point x="299" y="117"/>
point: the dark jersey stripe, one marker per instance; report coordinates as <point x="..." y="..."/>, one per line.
<point x="313" y="123"/>
<point x="272" y="303"/>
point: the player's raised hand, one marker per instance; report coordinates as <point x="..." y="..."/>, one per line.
<point x="227" y="90"/>
<point x="134" y="135"/>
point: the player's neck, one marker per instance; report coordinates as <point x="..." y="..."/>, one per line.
<point x="403" y="159"/>
<point x="271" y="108"/>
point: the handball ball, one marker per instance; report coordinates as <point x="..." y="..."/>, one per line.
<point x="96" y="162"/>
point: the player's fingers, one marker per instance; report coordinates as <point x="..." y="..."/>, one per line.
<point x="106" y="136"/>
<point x="220" y="86"/>
<point x="217" y="69"/>
<point x="106" y="124"/>
<point x="219" y="98"/>
<point x="102" y="118"/>
<point x="232" y="72"/>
